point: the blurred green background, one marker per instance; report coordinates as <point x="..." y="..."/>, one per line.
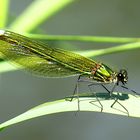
<point x="21" y="91"/>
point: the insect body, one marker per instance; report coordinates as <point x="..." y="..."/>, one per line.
<point x="42" y="60"/>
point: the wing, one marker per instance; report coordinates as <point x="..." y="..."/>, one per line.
<point x="40" y="59"/>
<point x="44" y="67"/>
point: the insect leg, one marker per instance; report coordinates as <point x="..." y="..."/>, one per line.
<point x="116" y="100"/>
<point x="76" y="91"/>
<point x="131" y="90"/>
<point x="94" y="93"/>
<point x="103" y="85"/>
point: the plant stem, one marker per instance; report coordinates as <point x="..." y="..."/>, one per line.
<point x="83" y="38"/>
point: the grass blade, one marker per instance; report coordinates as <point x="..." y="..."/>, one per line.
<point x="111" y="50"/>
<point x="100" y="39"/>
<point x="131" y="104"/>
<point x="36" y="13"/>
<point x="4" y="7"/>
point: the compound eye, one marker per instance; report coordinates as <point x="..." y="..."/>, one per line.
<point x="122" y="76"/>
<point x="124" y="72"/>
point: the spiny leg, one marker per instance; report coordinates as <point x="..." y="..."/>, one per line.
<point x="89" y="86"/>
<point x="79" y="80"/>
<point x="75" y="89"/>
<point x="77" y="96"/>
<point x="116" y="99"/>
<point x="103" y="85"/>
<point x="135" y="94"/>
<point x="110" y="94"/>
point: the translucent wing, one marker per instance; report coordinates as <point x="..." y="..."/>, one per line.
<point x="40" y="59"/>
<point x="35" y="64"/>
<point x="44" y="67"/>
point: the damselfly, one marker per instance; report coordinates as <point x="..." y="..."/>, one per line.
<point x="43" y="60"/>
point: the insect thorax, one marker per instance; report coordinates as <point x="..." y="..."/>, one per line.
<point x="103" y="73"/>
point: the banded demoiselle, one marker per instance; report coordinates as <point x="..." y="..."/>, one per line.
<point x="42" y="60"/>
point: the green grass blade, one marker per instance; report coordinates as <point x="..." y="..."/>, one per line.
<point x="83" y="38"/>
<point x="36" y="13"/>
<point x="131" y="104"/>
<point x="111" y="50"/>
<point x="6" y="67"/>
<point x="4" y="7"/>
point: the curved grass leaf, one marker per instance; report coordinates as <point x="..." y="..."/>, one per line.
<point x="130" y="102"/>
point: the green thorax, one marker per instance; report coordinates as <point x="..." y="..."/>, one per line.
<point x="103" y="73"/>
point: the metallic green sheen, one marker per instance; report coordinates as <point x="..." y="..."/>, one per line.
<point x="42" y="60"/>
